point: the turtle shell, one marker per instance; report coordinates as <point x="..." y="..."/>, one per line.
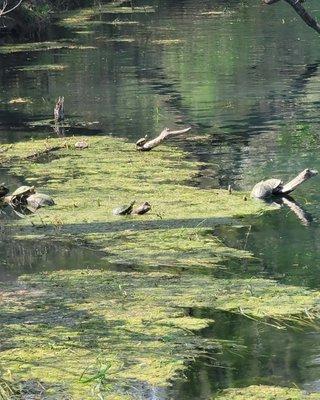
<point x="38" y="200"/>
<point x="141" y="141"/>
<point x="124" y="210"/>
<point x="81" y="145"/>
<point x="23" y="191"/>
<point x="266" y="188"/>
<point x="143" y="209"/>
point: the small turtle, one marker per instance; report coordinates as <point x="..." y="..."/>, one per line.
<point x="38" y="200"/>
<point x="20" y="195"/>
<point x="143" y="209"/>
<point x="81" y="145"/>
<point x="265" y="189"/>
<point x="142" y="141"/>
<point x="124" y="210"/>
<point x="3" y="190"/>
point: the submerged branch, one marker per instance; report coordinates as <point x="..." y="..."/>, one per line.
<point x="301" y="11"/>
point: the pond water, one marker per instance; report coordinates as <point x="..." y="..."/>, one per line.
<point x="248" y="82"/>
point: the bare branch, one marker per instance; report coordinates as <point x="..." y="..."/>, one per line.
<point x="4" y="10"/>
<point x="301" y="11"/>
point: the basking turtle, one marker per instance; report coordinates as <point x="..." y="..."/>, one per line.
<point x="124" y="210"/>
<point x="81" y="145"/>
<point x="143" y="209"/>
<point x="3" y="190"/>
<point x="37" y="200"/>
<point x="20" y="195"/>
<point x="265" y="189"/>
<point x="142" y="141"/>
<point x="274" y="187"/>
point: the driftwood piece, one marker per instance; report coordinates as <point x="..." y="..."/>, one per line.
<point x="297" y="181"/>
<point x="147" y="145"/>
<point x="58" y="111"/>
<point x="301" y="11"/>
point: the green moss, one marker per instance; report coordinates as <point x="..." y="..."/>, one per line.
<point x="45" y="67"/>
<point x="90" y="332"/>
<point x="265" y="393"/>
<point x="41" y="46"/>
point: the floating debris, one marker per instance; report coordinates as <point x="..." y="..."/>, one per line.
<point x="20" y="100"/>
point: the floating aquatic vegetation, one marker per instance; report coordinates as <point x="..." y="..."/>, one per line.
<point x="110" y="9"/>
<point x="41" y="46"/>
<point x="167" y="42"/>
<point x="44" y="67"/>
<point x="134" y="325"/>
<point x="266" y="393"/>
<point x="20" y="100"/>
<point x="118" y="22"/>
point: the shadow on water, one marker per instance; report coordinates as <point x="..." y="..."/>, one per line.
<point x="269" y="356"/>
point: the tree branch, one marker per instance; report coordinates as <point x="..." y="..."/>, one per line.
<point x="301" y="11"/>
<point x="4" y="10"/>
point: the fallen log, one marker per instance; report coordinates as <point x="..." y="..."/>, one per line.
<point x="298" y="180"/>
<point x="146" y="145"/>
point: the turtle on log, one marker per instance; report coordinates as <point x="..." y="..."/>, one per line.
<point x="276" y="187"/>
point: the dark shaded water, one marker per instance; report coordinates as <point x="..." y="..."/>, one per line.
<point x="249" y="83"/>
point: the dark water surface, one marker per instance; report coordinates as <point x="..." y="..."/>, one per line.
<point x="248" y="82"/>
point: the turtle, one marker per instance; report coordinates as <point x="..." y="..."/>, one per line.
<point x="3" y="190"/>
<point x="37" y="200"/>
<point x="124" y="210"/>
<point x="143" y="209"/>
<point x="81" y="145"/>
<point x="20" y="195"/>
<point x="142" y="141"/>
<point x="265" y="189"/>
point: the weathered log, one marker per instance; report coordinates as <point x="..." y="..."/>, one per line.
<point x="297" y="181"/>
<point x="147" y="145"/>
<point x="58" y="111"/>
<point x="301" y="11"/>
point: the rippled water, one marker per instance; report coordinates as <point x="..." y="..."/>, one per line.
<point x="248" y="82"/>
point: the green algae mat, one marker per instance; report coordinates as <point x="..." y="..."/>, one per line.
<point x="93" y="333"/>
